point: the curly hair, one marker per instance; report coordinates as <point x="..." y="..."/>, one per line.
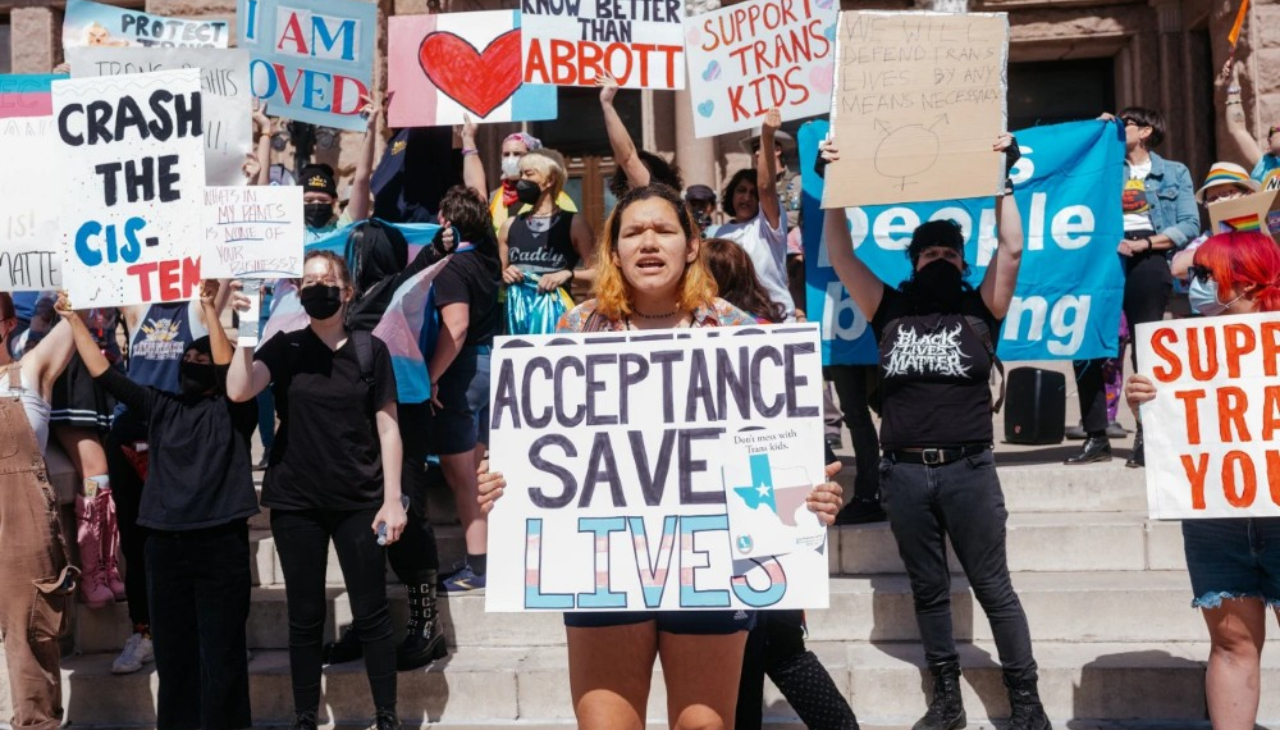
<point x="726" y="196"/>
<point x="737" y="280"/>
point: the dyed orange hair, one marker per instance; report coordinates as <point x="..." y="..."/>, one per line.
<point x="1241" y="260"/>
<point x="612" y="291"/>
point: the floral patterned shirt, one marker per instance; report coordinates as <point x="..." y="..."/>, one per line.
<point x="585" y="318"/>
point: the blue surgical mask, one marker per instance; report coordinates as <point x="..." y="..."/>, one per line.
<point x="1203" y="297"/>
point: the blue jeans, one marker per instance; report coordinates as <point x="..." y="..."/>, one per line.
<point x="1233" y="558"/>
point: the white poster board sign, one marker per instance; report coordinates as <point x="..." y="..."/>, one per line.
<point x="1211" y="430"/>
<point x="129" y="170"/>
<point x="30" y="257"/>
<point x="252" y="233"/>
<point x="623" y="454"/>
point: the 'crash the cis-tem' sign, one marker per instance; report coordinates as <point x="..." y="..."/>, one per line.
<point x="1211" y="431"/>
<point x="311" y="60"/>
<point x="129" y="163"/>
<point x="663" y="470"/>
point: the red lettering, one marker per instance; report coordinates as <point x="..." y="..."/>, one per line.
<point x="1191" y="405"/>
<point x="293" y="32"/>
<point x="169" y="279"/>
<point x="535" y="66"/>
<point x="815" y="33"/>
<point x="708" y="29"/>
<point x="1210" y="366"/>
<point x="562" y="53"/>
<point x="670" y="52"/>
<point x="613" y="51"/>
<point x="342" y="91"/>
<point x="796" y="86"/>
<point x="286" y="91"/>
<point x="1232" y="404"/>
<point x="1273" y="475"/>
<point x="735" y="102"/>
<point x="143" y="273"/>
<point x="1270" y="412"/>
<point x="190" y="276"/>
<point x="1242" y="498"/>
<point x="642" y="50"/>
<point x="1270" y="347"/>
<point x="1174" y="371"/>
<point x="1195" y="474"/>
<point x="788" y="12"/>
<point x="589" y="57"/>
<point x="1239" y="341"/>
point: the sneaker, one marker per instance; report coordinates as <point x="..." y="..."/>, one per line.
<point x="462" y="581"/>
<point x="137" y="651"/>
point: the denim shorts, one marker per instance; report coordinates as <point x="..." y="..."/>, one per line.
<point x="715" y="623"/>
<point x="1233" y="558"/>
<point x="463" y="422"/>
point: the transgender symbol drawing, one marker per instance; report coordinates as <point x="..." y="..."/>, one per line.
<point x="908" y="151"/>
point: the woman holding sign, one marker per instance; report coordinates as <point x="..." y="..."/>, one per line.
<point x="938" y="477"/>
<point x="651" y="277"/>
<point x="1234" y="563"/>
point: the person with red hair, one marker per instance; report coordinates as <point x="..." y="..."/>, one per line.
<point x="1234" y="563"/>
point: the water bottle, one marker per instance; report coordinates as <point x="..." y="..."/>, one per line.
<point x="382" y="526"/>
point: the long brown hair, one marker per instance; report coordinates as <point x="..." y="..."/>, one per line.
<point x="737" y="280"/>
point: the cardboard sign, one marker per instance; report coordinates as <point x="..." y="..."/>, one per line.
<point x="89" y="24"/>
<point x="748" y="58"/>
<point x="569" y="42"/>
<point x="311" y="60"/>
<point x="1211" y="431"/>
<point x="1247" y="214"/>
<point x="252" y="233"/>
<point x="224" y="79"/>
<point x="622" y="454"/>
<point x="442" y="66"/>
<point x="919" y="99"/>
<point x="129" y="170"/>
<point x="30" y="257"/>
<point x="26" y="95"/>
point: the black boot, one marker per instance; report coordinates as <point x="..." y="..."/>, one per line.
<point x="1026" y="712"/>
<point x="1139" y="457"/>
<point x="303" y="721"/>
<point x="1096" y="448"/>
<point x="946" y="711"/>
<point x="424" y="640"/>
<point x="808" y="687"/>
<point x="348" y="648"/>
<point x="385" y="719"/>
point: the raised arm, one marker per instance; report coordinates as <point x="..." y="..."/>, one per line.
<point x="624" y="149"/>
<point x="1229" y="103"/>
<point x="219" y="346"/>
<point x="44" y="363"/>
<point x="358" y="207"/>
<point x="246" y="377"/>
<point x="262" y="156"/>
<point x="863" y="285"/>
<point x="1002" y="273"/>
<point x="472" y="168"/>
<point x="767" y="169"/>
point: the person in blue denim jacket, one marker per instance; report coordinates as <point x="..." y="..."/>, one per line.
<point x="1160" y="216"/>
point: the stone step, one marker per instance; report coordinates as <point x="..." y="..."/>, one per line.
<point x="769" y="724"/>
<point x="1161" y="685"/>
<point x="1088" y="607"/>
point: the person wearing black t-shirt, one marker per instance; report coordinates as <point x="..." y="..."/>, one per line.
<point x="938" y="477"/>
<point x="466" y="297"/>
<point x="334" y="476"/>
<point x="196" y="502"/>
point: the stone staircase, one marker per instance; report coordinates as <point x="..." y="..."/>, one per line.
<point x="1104" y="588"/>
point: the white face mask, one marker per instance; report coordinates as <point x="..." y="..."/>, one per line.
<point x="511" y="167"/>
<point x="1203" y="297"/>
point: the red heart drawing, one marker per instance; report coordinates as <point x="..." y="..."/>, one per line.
<point x="479" y="82"/>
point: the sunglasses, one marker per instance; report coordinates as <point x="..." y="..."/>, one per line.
<point x="1200" y="273"/>
<point x="1130" y="122"/>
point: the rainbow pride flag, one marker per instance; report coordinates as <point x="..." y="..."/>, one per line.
<point x="1240" y="224"/>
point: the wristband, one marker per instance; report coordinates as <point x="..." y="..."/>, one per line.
<point x="1233" y="89"/>
<point x="466" y="152"/>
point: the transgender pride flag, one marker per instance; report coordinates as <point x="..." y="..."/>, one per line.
<point x="27" y="95"/>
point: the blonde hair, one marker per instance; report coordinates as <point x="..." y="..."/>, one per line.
<point x="550" y="164"/>
<point x="613" y="293"/>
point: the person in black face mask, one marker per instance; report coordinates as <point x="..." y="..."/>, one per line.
<point x="196" y="503"/>
<point x="320" y="188"/>
<point x="938" y="478"/>
<point x="319" y="198"/>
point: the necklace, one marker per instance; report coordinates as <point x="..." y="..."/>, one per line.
<point x="664" y="315"/>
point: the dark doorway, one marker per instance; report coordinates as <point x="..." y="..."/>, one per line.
<point x="1048" y="92"/>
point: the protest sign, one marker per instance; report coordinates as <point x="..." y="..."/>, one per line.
<point x="919" y="99"/>
<point x="442" y="66"/>
<point x="227" y="103"/>
<point x="569" y="42"/>
<point x="1210" y="434"/>
<point x="89" y="24"/>
<point x="129" y="171"/>
<point x="753" y="56"/>
<point x="252" y="233"/>
<point x="311" y="60"/>
<point x="26" y="95"/>
<point x="1247" y="214"/>
<point x="621" y="455"/>
<point x="30" y="254"/>
<point x="1070" y="283"/>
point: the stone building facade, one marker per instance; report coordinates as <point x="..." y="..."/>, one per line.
<point x="1068" y="59"/>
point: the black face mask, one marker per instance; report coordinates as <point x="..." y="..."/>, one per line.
<point x="938" y="288"/>
<point x="317" y="215"/>
<point x="528" y="192"/>
<point x="320" y="301"/>
<point x="196" y="378"/>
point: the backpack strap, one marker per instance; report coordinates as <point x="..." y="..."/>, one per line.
<point x="363" y="341"/>
<point x="983" y="332"/>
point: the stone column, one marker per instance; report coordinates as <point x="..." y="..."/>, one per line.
<point x="1264" y="34"/>
<point x="696" y="157"/>
<point x="36" y="39"/>
<point x="1171" y="76"/>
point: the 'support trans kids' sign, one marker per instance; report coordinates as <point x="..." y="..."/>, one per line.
<point x="569" y="42"/>
<point x="615" y="449"/>
<point x="30" y="258"/>
<point x="89" y="24"/>
<point x="224" y="79"/>
<point x="753" y="56"/>
<point x="1212" y="429"/>
<point x="252" y="233"/>
<point x="312" y="60"/>
<point x="130" y="168"/>
<point x="919" y="99"/>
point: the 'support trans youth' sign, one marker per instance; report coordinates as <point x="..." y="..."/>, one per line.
<point x="617" y="448"/>
<point x="1211" y="431"/>
<point x="89" y="24"/>
<point x="569" y="42"/>
<point x="312" y="60"/>
<point x="130" y="168"/>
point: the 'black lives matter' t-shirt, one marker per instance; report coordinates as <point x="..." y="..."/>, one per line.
<point x="935" y="370"/>
<point x="327" y="454"/>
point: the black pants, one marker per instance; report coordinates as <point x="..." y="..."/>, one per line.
<point x="415" y="553"/>
<point x="851" y="389"/>
<point x="302" y="541"/>
<point x="199" y="585"/>
<point x="777" y="637"/>
<point x="1147" y="286"/>
<point x="126" y="492"/>
<point x="962" y="500"/>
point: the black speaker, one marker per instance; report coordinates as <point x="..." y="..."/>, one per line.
<point x="1035" y="407"/>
